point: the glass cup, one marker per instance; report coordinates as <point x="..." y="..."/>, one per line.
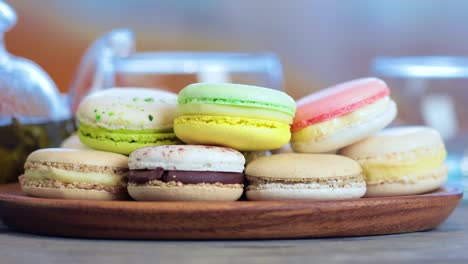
<point x="112" y="62"/>
<point x="432" y="91"/>
<point x="175" y="70"/>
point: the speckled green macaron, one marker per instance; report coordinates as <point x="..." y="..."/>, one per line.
<point x="122" y="120"/>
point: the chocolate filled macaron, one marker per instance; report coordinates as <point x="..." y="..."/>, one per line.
<point x="401" y="161"/>
<point x="75" y="174"/>
<point x="186" y="173"/>
<point x="294" y="176"/>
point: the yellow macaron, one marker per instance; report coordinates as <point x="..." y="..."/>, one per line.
<point x="401" y="161"/>
<point x="242" y="117"/>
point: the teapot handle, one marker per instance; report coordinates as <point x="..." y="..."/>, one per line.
<point x="95" y="70"/>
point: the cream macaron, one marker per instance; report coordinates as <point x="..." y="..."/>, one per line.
<point x="186" y="173"/>
<point x="75" y="174"/>
<point x="304" y="176"/>
<point x="73" y="142"/>
<point x="401" y="161"/>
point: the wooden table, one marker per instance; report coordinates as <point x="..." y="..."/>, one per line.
<point x="446" y="244"/>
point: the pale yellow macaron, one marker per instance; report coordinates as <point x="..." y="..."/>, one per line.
<point x="401" y="161"/>
<point x="75" y="174"/>
<point x="304" y="176"/>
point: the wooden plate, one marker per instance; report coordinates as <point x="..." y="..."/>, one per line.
<point x="225" y="220"/>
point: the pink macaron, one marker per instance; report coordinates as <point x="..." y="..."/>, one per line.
<point x="341" y="115"/>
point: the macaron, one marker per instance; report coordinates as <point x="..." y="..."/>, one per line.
<point x="122" y="120"/>
<point x="75" y="174"/>
<point x="253" y="155"/>
<point x="299" y="176"/>
<point x="73" y="142"/>
<point x="401" y="161"/>
<point x="186" y="173"/>
<point x="338" y="116"/>
<point x="242" y="117"/>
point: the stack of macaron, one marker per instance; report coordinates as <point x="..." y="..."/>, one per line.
<point x="211" y="141"/>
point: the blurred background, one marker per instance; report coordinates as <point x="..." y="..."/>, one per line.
<point x="319" y="42"/>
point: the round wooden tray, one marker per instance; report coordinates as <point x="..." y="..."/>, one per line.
<point x="225" y="220"/>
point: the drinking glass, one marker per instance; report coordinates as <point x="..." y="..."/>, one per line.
<point x="432" y="91"/>
<point x="112" y="62"/>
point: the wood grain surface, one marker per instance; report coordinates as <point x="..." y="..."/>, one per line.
<point x="225" y="220"/>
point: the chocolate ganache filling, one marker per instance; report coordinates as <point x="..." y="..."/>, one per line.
<point x="188" y="177"/>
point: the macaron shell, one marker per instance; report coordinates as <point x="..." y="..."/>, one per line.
<point x="394" y="140"/>
<point x="238" y="95"/>
<point x="192" y="192"/>
<point x="124" y="147"/>
<point x="72" y="194"/>
<point x="244" y="134"/>
<point x="338" y="100"/>
<point x="77" y="157"/>
<point x="421" y="183"/>
<point x="346" y="136"/>
<point x="187" y="158"/>
<point x="294" y="167"/>
<point x="296" y="193"/>
<point x="253" y="155"/>
<point x="129" y="108"/>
